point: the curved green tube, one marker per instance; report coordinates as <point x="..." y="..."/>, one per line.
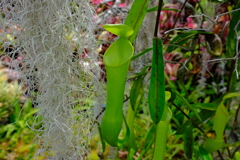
<point x="221" y="118"/>
<point x="116" y="60"/>
<point x="162" y="135"/>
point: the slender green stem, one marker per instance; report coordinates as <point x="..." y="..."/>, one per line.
<point x="200" y="129"/>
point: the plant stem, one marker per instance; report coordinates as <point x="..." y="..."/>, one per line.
<point x="220" y="155"/>
<point x="230" y="76"/>
<point x="200" y="129"/>
<point x="229" y="153"/>
<point x="158" y="18"/>
<point x="236" y="115"/>
<point x="100" y="113"/>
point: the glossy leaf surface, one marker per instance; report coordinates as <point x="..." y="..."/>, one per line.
<point x="156" y="95"/>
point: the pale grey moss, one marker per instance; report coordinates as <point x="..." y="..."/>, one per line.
<point x="60" y="83"/>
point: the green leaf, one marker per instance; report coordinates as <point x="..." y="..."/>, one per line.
<point x="142" y="73"/>
<point x="141" y="53"/>
<point x="207" y="106"/>
<point x="179" y="40"/>
<point x="150" y="138"/>
<point x="30" y="113"/>
<point x="204" y="114"/>
<point x="181" y="129"/>
<point x="156" y="94"/>
<point x="188" y="141"/>
<point x="163" y="9"/>
<point x="135" y="16"/>
<point x="183" y="38"/>
<point x="172" y="94"/>
<point x="186" y="103"/>
<point x="27" y="106"/>
<point x="130" y="121"/>
<point x="231" y="44"/>
<point x="119" y="29"/>
<point x="204" y="154"/>
<point x="236" y="144"/>
<point x="10" y="128"/>
<point x="167" y="95"/>
<point x="197" y="32"/>
<point x="230" y="95"/>
<point x="136" y="93"/>
<point x="17" y="111"/>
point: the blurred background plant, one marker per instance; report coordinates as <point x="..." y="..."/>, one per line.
<point x="15" y="115"/>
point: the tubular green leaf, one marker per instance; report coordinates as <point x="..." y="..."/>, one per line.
<point x="116" y="60"/>
<point x="156" y="95"/>
<point x="161" y="135"/>
<point x="220" y="121"/>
